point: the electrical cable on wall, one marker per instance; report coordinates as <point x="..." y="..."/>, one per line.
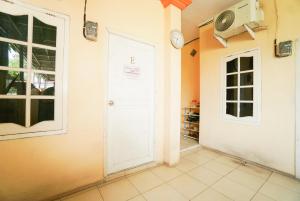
<point x="276" y="25"/>
<point x="84" y="18"/>
<point x="283" y="49"/>
<point x="277" y="18"/>
<point x="90" y="29"/>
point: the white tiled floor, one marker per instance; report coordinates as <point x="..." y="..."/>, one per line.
<point x="201" y="175"/>
<point x="187" y="142"/>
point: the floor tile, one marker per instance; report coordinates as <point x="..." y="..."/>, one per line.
<point x="187" y="143"/>
<point x="118" y="191"/>
<point x="164" y="193"/>
<point x="234" y="190"/>
<point x="186" y="165"/>
<point x="204" y="175"/>
<point x="218" y="167"/>
<point x="140" y="168"/>
<point x="229" y="161"/>
<point x="211" y="195"/>
<point x="92" y="194"/>
<point x="255" y="170"/>
<point x="285" y="181"/>
<point x="166" y="173"/>
<point x="145" y="181"/>
<point x="279" y="193"/>
<point x="199" y="159"/>
<point x="246" y="179"/>
<point x="208" y="153"/>
<point x="189" y="181"/>
<point x="187" y="152"/>
<point x="261" y="197"/>
<point x="138" y="198"/>
<point x="187" y="186"/>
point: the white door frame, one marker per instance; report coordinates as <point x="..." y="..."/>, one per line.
<point x="106" y="99"/>
<point x="297" y="145"/>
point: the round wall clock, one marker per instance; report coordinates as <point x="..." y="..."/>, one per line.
<point x="177" y="39"/>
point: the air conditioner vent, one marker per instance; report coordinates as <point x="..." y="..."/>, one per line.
<point x="225" y="20"/>
<point x="233" y="20"/>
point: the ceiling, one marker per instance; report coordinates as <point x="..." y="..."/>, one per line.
<point x="200" y="11"/>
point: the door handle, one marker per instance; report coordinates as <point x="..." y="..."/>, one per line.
<point x="111" y="103"/>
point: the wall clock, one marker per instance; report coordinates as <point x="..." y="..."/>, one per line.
<point x="177" y="39"/>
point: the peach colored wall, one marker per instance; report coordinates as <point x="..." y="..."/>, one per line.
<point x="272" y="142"/>
<point x="172" y="58"/>
<point x="190" y="77"/>
<point x="37" y="168"/>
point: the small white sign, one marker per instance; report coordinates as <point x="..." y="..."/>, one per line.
<point x="132" y="72"/>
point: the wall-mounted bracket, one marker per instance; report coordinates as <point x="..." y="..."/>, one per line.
<point x="221" y="40"/>
<point x="250" y="31"/>
<point x="224" y="41"/>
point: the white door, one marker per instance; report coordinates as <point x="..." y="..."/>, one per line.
<point x="298" y="108"/>
<point x="130" y="131"/>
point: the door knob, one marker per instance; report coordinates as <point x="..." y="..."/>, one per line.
<point x="110" y="103"/>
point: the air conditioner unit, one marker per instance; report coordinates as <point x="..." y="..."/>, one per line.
<point x="232" y="21"/>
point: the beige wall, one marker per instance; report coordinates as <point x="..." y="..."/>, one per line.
<point x="37" y="168"/>
<point x="190" y="77"/>
<point x="272" y="142"/>
<point x="172" y="69"/>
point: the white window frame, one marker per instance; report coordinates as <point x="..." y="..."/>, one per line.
<point x="255" y="119"/>
<point x="10" y="131"/>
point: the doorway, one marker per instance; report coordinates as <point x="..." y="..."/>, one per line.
<point x="190" y="95"/>
<point x="130" y="113"/>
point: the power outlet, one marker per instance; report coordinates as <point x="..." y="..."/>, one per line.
<point x="284" y="49"/>
<point x="91" y="30"/>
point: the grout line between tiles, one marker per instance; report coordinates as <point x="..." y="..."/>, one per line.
<point x="139" y="193"/>
<point x="181" y="173"/>
<point x="163" y="183"/>
<point x="222" y="177"/>
<point x="208" y="186"/>
<point x="182" y="193"/>
<point x="261" y="187"/>
<point x="100" y="193"/>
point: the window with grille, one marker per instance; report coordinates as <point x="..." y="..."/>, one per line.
<point x="241" y="86"/>
<point x="33" y="58"/>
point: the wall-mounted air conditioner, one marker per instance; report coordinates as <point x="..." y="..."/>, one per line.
<point x="244" y="15"/>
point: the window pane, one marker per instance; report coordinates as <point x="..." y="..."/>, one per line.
<point x="13" y="55"/>
<point x="41" y="110"/>
<point x="43" y="84"/>
<point x="231" y="109"/>
<point x="44" y="34"/>
<point x="246" y="109"/>
<point x="246" y="79"/>
<point x="232" y="80"/>
<point x="231" y="94"/>
<point x="12" y="111"/>
<point x="12" y="82"/>
<point x="232" y="66"/>
<point x="246" y="63"/>
<point x="13" y="27"/>
<point x="43" y="59"/>
<point x="246" y="94"/>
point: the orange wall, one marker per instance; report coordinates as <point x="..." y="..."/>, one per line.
<point x="36" y="168"/>
<point x="272" y="142"/>
<point x="190" y="77"/>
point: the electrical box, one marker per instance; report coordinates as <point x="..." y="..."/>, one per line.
<point x="284" y="49"/>
<point x="91" y="30"/>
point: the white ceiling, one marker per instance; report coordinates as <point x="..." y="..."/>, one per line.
<point x="200" y="11"/>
